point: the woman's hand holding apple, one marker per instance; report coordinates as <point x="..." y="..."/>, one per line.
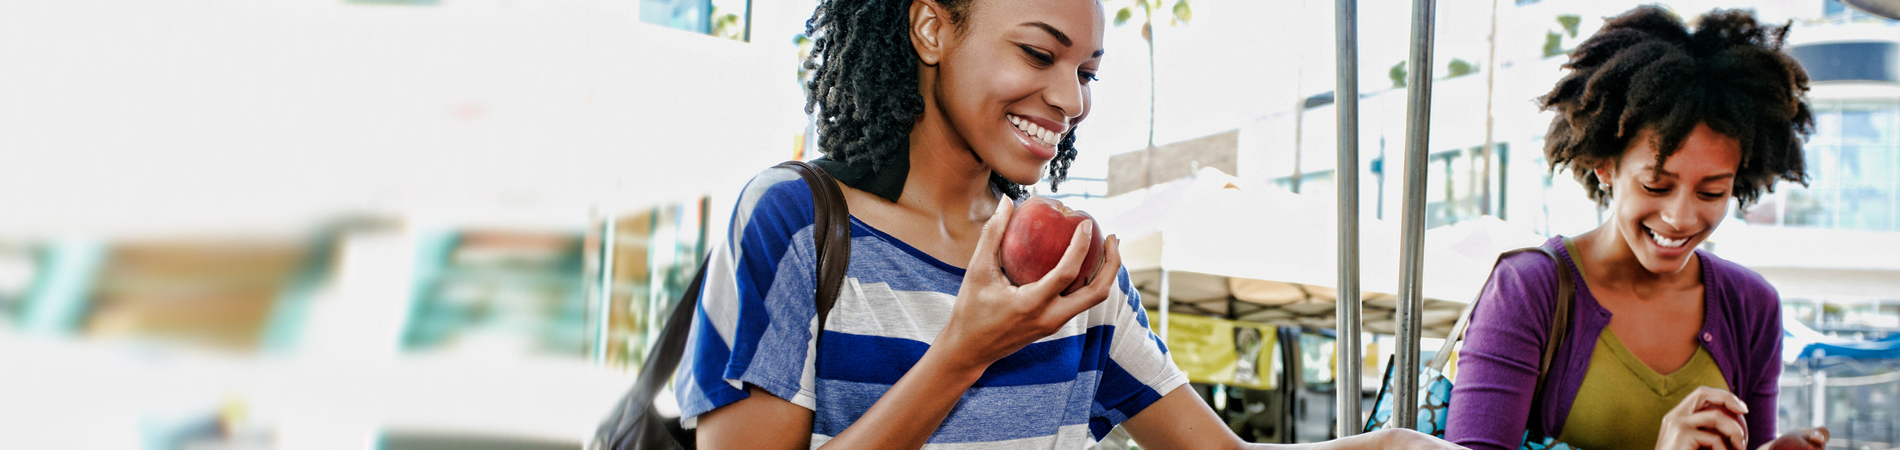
<point x="1708" y="418"/>
<point x="994" y="318"/>
<point x="1038" y="235"/>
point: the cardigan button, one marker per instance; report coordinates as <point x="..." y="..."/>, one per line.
<point x="1706" y="337"/>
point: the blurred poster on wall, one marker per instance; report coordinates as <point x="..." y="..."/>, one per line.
<point x="1220" y="351"/>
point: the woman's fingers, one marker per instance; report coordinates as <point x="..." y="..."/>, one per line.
<point x="1704" y="439"/>
<point x="1711" y="397"/>
<point x="1723" y="425"/>
<point x="1106" y="280"/>
<point x="1722" y="411"/>
<point x="987" y="243"/>
<point x="1706" y="418"/>
<point x="1069" y="267"/>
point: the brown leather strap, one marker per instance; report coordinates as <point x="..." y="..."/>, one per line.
<point x="831" y="233"/>
<point x="1559" y="317"/>
<point x="1558" y="332"/>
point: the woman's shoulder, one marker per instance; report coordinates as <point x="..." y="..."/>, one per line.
<point x="778" y="195"/>
<point x="1529" y="268"/>
<point x="1740" y="283"/>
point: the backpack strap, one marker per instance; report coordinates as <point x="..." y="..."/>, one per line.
<point x="831" y="233"/>
<point x="1559" y="317"/>
<point x="1554" y="337"/>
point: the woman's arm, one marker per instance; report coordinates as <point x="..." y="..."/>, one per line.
<point x="1765" y="355"/>
<point x="1497" y="368"/>
<point x="991" y="319"/>
<point x="1180" y="420"/>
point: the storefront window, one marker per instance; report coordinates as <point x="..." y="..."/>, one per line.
<point x="654" y="255"/>
<point x="212" y="293"/>
<point x="19" y="265"/>
<point x="506" y="293"/>
<point x="1853" y="160"/>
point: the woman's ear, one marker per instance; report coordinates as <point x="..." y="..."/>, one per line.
<point x="1605" y="170"/>
<point x="928" y="29"/>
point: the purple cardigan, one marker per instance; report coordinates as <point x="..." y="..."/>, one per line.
<point x="1497" y="367"/>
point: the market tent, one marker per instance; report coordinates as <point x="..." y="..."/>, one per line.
<point x="1259" y="253"/>
<point x="1800" y="342"/>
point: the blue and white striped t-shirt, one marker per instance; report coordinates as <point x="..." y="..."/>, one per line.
<point x="756" y="318"/>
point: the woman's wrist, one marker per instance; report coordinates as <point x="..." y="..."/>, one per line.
<point x="957" y="370"/>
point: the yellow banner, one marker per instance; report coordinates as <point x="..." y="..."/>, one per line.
<point x="1220" y="351"/>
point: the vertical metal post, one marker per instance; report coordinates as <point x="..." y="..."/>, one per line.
<point x="748" y="21"/>
<point x="1819" y="394"/>
<point x="1418" y="111"/>
<point x="1346" y="177"/>
<point x="1164" y="305"/>
<point x="604" y="303"/>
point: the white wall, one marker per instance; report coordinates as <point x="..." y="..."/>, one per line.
<point x="122" y="117"/>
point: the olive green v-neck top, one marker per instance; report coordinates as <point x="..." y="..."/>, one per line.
<point x="1622" y="401"/>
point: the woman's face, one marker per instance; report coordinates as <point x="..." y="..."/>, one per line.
<point x="1016" y="78"/>
<point x="1663" y="213"/>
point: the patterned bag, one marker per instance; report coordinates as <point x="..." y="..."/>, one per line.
<point x="1434" y="386"/>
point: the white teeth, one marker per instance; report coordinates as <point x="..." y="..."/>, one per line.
<point x="1042" y="136"/>
<point x="1667" y="242"/>
<point x="1034" y="131"/>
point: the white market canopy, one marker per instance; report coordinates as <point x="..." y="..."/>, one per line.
<point x="1260" y="253"/>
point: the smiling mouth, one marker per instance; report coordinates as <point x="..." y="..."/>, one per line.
<point x="1665" y="242"/>
<point x="1037" y="132"/>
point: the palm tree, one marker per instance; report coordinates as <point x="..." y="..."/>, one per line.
<point x="1180" y="14"/>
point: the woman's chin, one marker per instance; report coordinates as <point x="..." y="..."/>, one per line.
<point x="1023" y="174"/>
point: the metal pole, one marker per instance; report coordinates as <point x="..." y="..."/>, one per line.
<point x="604" y="303"/>
<point x="1818" y="396"/>
<point x="748" y="20"/>
<point x="1418" y="110"/>
<point x="1346" y="177"/>
<point x="1164" y="305"/>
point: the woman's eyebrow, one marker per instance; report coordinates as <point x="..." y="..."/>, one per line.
<point x="1059" y="35"/>
<point x="1658" y="173"/>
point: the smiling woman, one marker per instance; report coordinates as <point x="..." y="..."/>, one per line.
<point x="1669" y="347"/>
<point x="932" y="115"/>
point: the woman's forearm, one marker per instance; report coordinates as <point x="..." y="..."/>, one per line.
<point x="912" y="410"/>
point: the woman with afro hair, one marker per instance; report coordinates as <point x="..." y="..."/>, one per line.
<point x="932" y="115"/>
<point x="1669" y="347"/>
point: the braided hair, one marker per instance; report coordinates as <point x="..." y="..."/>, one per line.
<point x="1645" y="69"/>
<point x="864" y="85"/>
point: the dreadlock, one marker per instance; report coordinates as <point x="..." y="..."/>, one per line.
<point x="1645" y="70"/>
<point x="864" y="84"/>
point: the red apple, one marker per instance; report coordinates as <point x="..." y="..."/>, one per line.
<point x="1039" y="232"/>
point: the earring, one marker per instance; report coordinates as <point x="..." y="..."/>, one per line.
<point x="1605" y="187"/>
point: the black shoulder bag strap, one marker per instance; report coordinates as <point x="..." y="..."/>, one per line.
<point x="635" y="424"/>
<point x="1555" y="336"/>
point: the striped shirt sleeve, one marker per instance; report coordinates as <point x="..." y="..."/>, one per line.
<point x="1139" y="371"/>
<point x="755" y="317"/>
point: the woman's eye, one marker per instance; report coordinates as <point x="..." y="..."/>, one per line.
<point x="1087" y="77"/>
<point x="1655" y="190"/>
<point x="1712" y="195"/>
<point x="1040" y="57"/>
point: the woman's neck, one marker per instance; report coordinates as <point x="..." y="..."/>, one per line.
<point x="1610" y="264"/>
<point x="946" y="179"/>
